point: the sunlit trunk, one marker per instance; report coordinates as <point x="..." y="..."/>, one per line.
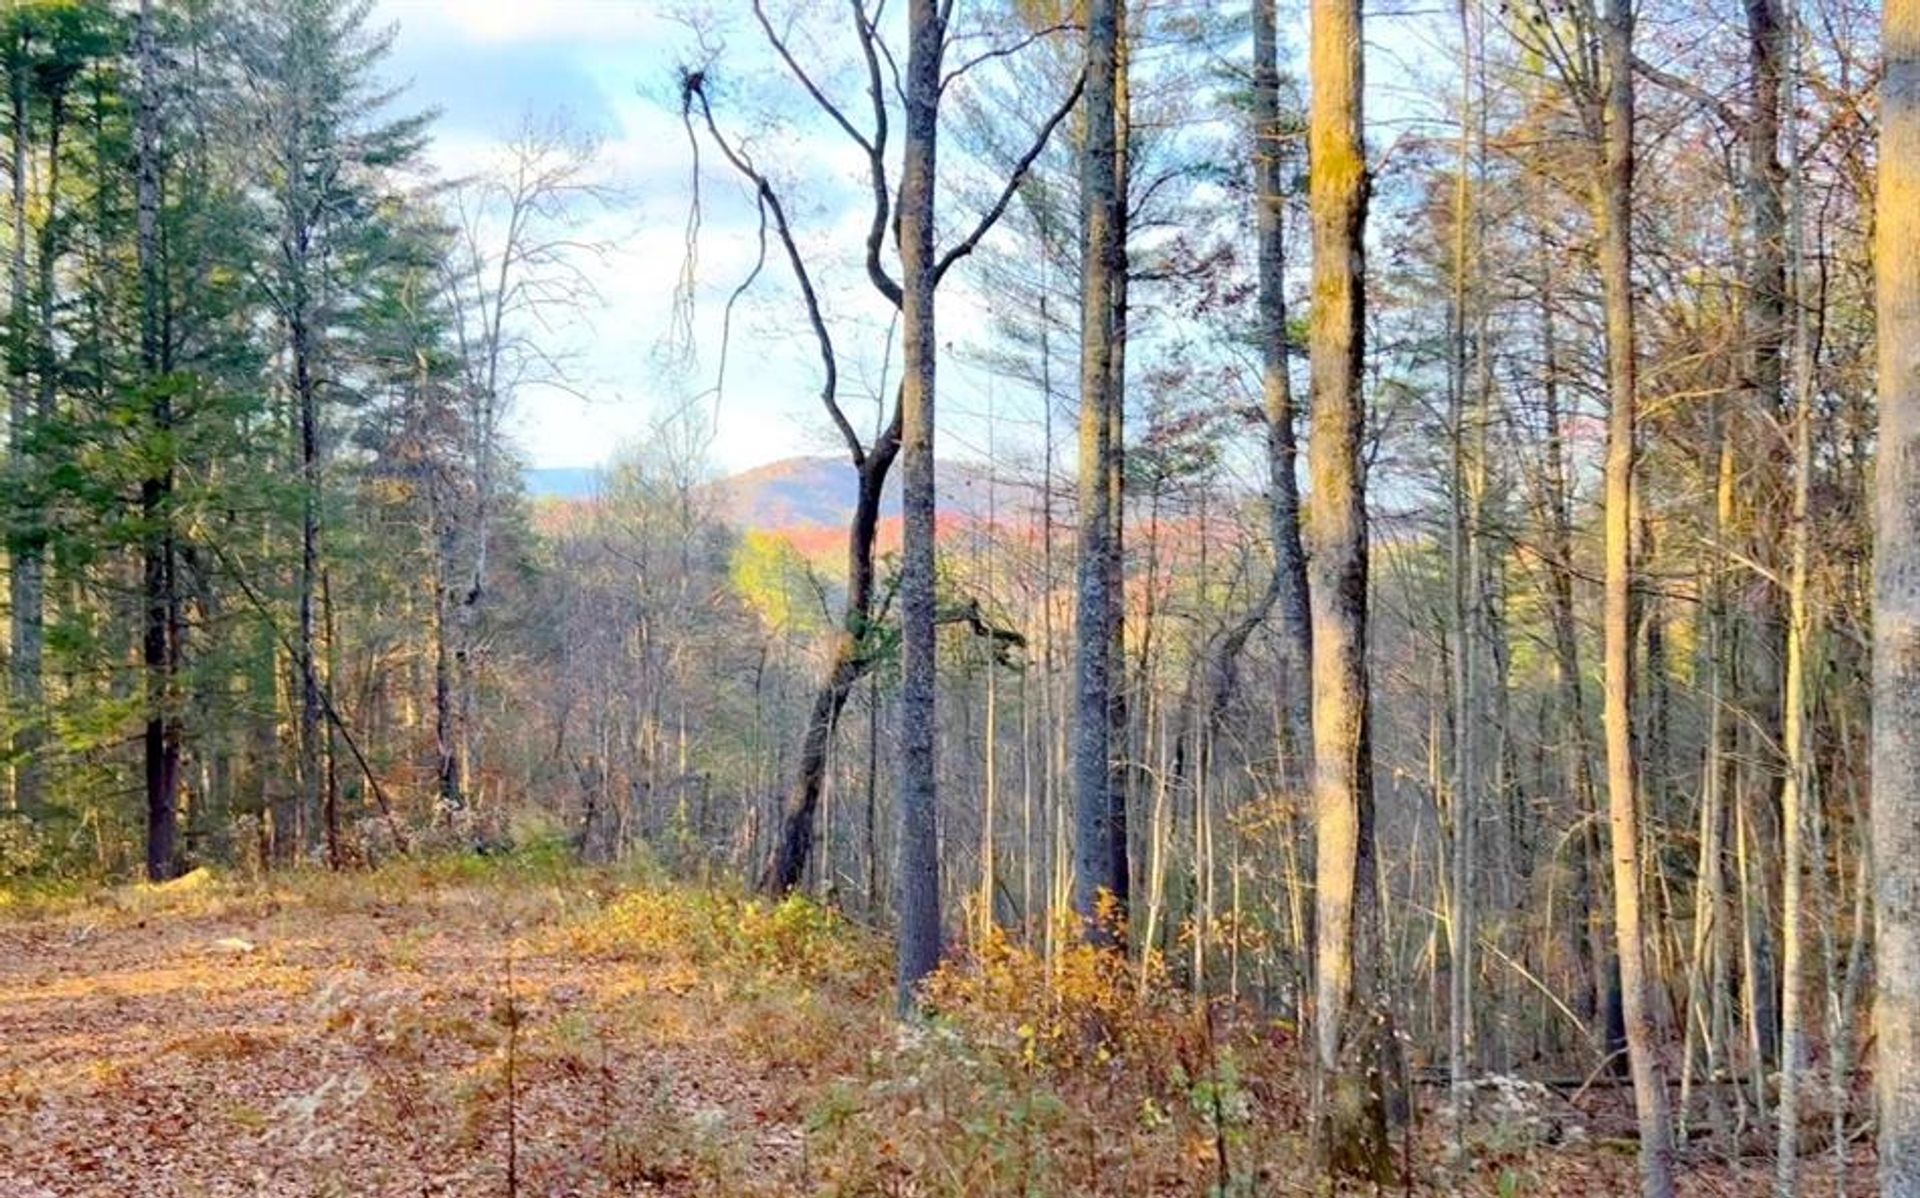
<point x="1613" y="211"/>
<point x="1896" y="610"/>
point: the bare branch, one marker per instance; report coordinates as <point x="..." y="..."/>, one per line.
<point x="819" y="97"/>
<point x="692" y="89"/>
<point x="1726" y="112"/>
<point x="1005" y="51"/>
<point x="1014" y="178"/>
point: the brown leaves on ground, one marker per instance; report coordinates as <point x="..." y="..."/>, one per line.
<point x="428" y="1030"/>
<point x="367" y="1041"/>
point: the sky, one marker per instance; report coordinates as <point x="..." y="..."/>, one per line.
<point x="487" y="66"/>
<point x="610" y="67"/>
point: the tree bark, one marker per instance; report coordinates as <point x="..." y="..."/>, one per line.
<point x="160" y="642"/>
<point x="1613" y="211"/>
<point x="1768" y="41"/>
<point x="1350" y="1013"/>
<point x="1094" y="881"/>
<point x="1287" y="586"/>
<point x="787" y="864"/>
<point x="1896" y="610"/>
<point x="307" y="401"/>
<point x="25" y="580"/>
<point x="1468" y="433"/>
<point x="917" y="886"/>
<point x="1119" y="750"/>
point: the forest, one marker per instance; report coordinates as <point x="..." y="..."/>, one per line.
<point x="1392" y="666"/>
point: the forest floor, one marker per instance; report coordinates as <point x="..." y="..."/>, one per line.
<point x="480" y="1028"/>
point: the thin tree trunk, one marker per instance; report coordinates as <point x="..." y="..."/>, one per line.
<point x="25" y="580"/>
<point x="1119" y="749"/>
<point x="1469" y="434"/>
<point x="990" y="784"/>
<point x="445" y="705"/>
<point x="160" y="643"/>
<point x="1613" y="217"/>
<point x="1798" y="791"/>
<point x="1287" y="586"/>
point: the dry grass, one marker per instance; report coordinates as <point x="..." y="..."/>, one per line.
<point x="359" y="1035"/>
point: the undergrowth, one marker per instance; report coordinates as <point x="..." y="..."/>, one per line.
<point x="727" y="1044"/>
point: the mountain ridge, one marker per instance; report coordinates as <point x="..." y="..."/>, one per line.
<point x="805" y="493"/>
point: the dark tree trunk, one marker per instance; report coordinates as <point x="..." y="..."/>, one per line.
<point x="917" y="876"/>
<point x="1119" y="749"/>
<point x="786" y="865"/>
<point x="445" y="712"/>
<point x="162" y="623"/>
<point x="307" y="418"/>
<point x="25" y="582"/>
<point x="1286" y="587"/>
<point x="1093" y="727"/>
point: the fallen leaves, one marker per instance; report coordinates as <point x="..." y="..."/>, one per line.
<point x="342" y="1043"/>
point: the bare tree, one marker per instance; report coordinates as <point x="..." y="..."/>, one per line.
<point x="517" y="267"/>
<point x="855" y="646"/>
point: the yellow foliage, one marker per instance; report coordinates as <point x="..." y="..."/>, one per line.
<point x="774" y="580"/>
<point x="795" y="937"/>
<point x="193" y="879"/>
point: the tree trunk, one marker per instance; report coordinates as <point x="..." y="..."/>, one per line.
<point x="160" y="643"/>
<point x="1896" y="610"/>
<point x="787" y="863"/>
<point x="918" y="878"/>
<point x="447" y="758"/>
<point x="1350" y="1129"/>
<point x="1287" y="586"/>
<point x="1468" y="433"/>
<point x="1768" y="38"/>
<point x="25" y="582"/>
<point x="1613" y="210"/>
<point x="306" y="397"/>
<point x="1119" y="750"/>
<point x="1094" y="883"/>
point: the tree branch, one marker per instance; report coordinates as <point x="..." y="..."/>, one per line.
<point x="1727" y="113"/>
<point x="1005" y="51"/>
<point x="1014" y="179"/>
<point x="693" y="88"/>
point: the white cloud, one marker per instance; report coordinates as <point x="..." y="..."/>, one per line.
<point x="592" y="22"/>
<point x="484" y="61"/>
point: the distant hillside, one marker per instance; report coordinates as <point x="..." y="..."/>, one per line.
<point x="795" y="493"/>
<point x="810" y="499"/>
<point x="819" y="492"/>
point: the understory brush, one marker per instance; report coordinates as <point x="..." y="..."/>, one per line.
<point x="1071" y="1076"/>
<point x="511" y="1017"/>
